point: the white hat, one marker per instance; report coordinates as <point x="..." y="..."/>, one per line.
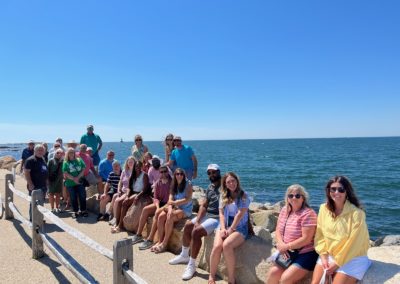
<point x="158" y="158"/>
<point x="214" y="167"/>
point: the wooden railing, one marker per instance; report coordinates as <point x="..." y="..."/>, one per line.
<point x="122" y="254"/>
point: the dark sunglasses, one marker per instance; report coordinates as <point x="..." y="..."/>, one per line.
<point x="297" y="195"/>
<point x="179" y="174"/>
<point x="337" y="189"/>
<point x="211" y="172"/>
<point x="177" y="140"/>
<point x="163" y="172"/>
<point x="138" y="140"/>
<point x="169" y="139"/>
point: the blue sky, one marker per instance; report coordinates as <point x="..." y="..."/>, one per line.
<point x="200" y="69"/>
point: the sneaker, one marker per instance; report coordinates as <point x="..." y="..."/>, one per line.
<point x="75" y="215"/>
<point x="106" y="217"/>
<point x="85" y="214"/>
<point x="112" y="222"/>
<point x="146" y="244"/>
<point x="137" y="239"/>
<point x="100" y="217"/>
<point x="189" y="272"/>
<point x="179" y="259"/>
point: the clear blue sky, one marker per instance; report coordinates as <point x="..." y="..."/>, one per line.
<point x="202" y="69"/>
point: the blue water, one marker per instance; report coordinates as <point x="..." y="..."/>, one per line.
<point x="267" y="167"/>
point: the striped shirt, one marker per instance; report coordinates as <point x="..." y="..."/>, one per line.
<point x="290" y="232"/>
<point x="113" y="180"/>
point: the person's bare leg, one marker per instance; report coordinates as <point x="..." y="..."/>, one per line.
<point x="231" y="242"/>
<point x="146" y="212"/>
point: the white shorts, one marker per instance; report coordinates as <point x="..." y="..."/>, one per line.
<point x="356" y="267"/>
<point x="209" y="224"/>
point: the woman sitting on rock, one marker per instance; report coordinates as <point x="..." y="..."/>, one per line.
<point x="233" y="230"/>
<point x="295" y="231"/>
<point x="342" y="238"/>
<point x="179" y="206"/>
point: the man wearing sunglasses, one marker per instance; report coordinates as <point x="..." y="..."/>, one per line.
<point x="183" y="157"/>
<point x="204" y="224"/>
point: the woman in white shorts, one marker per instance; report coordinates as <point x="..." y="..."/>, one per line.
<point x="342" y="238"/>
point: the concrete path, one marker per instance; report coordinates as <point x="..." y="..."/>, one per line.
<point x="17" y="265"/>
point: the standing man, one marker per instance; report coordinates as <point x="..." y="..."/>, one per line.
<point x="204" y="224"/>
<point x="183" y="157"/>
<point x="26" y="153"/>
<point x="36" y="173"/>
<point x="94" y="141"/>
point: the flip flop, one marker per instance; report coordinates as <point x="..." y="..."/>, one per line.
<point x="211" y="281"/>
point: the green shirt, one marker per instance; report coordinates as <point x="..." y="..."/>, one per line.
<point x="74" y="168"/>
<point x="92" y="141"/>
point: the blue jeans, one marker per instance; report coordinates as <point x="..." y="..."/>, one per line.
<point x="75" y="192"/>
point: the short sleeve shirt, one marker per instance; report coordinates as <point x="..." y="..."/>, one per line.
<point x="212" y="195"/>
<point x="183" y="157"/>
<point x="38" y="171"/>
<point x="290" y="227"/>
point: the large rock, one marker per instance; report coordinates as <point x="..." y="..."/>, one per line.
<point x="251" y="264"/>
<point x="262" y="233"/>
<point x="385" y="266"/>
<point x="266" y="219"/>
<point x="7" y="162"/>
<point x="92" y="204"/>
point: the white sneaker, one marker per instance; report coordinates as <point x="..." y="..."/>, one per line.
<point x="189" y="272"/>
<point x="179" y="259"/>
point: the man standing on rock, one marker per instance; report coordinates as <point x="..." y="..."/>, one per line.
<point x="204" y="224"/>
<point x="36" y="173"/>
<point x="183" y="157"/>
<point x="94" y="141"/>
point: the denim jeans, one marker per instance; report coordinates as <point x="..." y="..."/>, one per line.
<point x="75" y="192"/>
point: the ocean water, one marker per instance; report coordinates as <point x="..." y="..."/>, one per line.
<point x="267" y="167"/>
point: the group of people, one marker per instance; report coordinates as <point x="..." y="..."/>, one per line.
<point x="333" y="243"/>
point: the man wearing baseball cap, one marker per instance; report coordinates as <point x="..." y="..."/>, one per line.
<point x="94" y="141"/>
<point x="204" y="224"/>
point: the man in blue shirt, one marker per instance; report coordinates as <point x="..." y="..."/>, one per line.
<point x="105" y="166"/>
<point x="183" y="157"/>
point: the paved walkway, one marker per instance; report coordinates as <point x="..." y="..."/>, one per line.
<point x="17" y="265"/>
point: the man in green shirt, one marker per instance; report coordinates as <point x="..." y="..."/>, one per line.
<point x="94" y="141"/>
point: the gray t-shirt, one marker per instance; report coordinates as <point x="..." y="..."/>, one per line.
<point x="213" y="201"/>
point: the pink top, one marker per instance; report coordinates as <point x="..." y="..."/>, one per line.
<point x="305" y="217"/>
<point x="161" y="191"/>
<point x="154" y="175"/>
<point x="125" y="176"/>
<point x="88" y="162"/>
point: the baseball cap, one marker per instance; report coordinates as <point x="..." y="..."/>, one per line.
<point x="214" y="167"/>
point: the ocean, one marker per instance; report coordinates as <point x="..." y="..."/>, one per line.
<point x="266" y="167"/>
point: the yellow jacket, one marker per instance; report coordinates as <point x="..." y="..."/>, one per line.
<point x="343" y="237"/>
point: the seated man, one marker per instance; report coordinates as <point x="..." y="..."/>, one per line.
<point x="204" y="224"/>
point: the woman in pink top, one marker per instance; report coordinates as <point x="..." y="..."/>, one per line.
<point x="295" y="230"/>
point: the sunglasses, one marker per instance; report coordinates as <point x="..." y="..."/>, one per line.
<point x="337" y="189"/>
<point x="179" y="174"/>
<point x="297" y="195"/>
<point x="177" y="140"/>
<point x="169" y="139"/>
<point x="211" y="172"/>
<point x="163" y="172"/>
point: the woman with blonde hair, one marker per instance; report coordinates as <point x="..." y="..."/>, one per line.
<point x="73" y="169"/>
<point x="168" y="146"/>
<point x="295" y="232"/>
<point x="139" y="149"/>
<point x="233" y="229"/>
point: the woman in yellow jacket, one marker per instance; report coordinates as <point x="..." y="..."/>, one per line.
<point x="342" y="238"/>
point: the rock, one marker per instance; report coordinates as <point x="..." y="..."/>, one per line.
<point x="391" y="240"/>
<point x="251" y="265"/>
<point x="266" y="219"/>
<point x="92" y="204"/>
<point x="196" y="197"/>
<point x="255" y="207"/>
<point x="7" y="162"/>
<point x="385" y="266"/>
<point x="262" y="233"/>
<point x="91" y="191"/>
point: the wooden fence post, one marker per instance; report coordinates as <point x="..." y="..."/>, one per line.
<point x="9" y="196"/>
<point x="123" y="252"/>
<point x="37" y="223"/>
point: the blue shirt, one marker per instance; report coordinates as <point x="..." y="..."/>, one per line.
<point x="183" y="157"/>
<point x="105" y="168"/>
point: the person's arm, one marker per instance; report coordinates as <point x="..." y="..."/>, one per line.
<point x="194" y="159"/>
<point x="29" y="179"/>
<point x="202" y="210"/>
<point x="145" y="189"/>
<point x="100" y="143"/>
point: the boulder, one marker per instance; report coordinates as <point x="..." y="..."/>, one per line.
<point x="7" y="162"/>
<point x="385" y="267"/>
<point x="262" y="233"/>
<point x="251" y="264"/>
<point x="255" y="207"/>
<point x="266" y="219"/>
<point x="92" y="204"/>
<point x="91" y="191"/>
<point x="391" y="240"/>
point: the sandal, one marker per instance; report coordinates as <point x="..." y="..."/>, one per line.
<point x="160" y="249"/>
<point x="115" y="230"/>
<point x="211" y="281"/>
<point x="154" y="247"/>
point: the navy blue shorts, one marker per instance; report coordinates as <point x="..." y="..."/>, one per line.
<point x="306" y="260"/>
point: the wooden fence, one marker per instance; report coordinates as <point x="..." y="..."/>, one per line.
<point x="122" y="254"/>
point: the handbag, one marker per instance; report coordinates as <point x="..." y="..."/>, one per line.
<point x="284" y="260"/>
